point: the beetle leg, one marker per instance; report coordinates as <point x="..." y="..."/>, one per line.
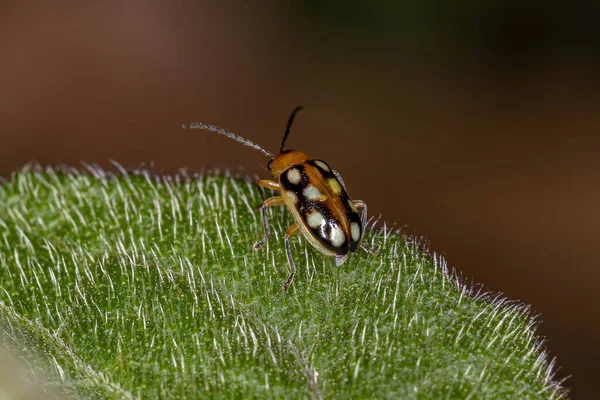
<point x="369" y="250"/>
<point x="361" y="205"/>
<point x="269" y="184"/>
<point x="293" y="229"/>
<point x="271" y="202"/>
<point x="339" y="260"/>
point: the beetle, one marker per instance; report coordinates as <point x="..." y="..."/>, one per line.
<point x="315" y="195"/>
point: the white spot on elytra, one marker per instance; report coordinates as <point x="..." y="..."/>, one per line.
<point x="294" y="176"/>
<point x="292" y="196"/>
<point x="337" y="236"/>
<point x="355" y="231"/>
<point x="312" y="193"/>
<point x="314" y="219"/>
<point x="323" y="166"/>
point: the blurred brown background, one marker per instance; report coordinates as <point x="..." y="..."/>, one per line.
<point x="474" y="125"/>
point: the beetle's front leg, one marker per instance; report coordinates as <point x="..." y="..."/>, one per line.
<point x="362" y="206"/>
<point x="288" y="252"/>
<point x="271" y="202"/>
<point x="269" y="184"/>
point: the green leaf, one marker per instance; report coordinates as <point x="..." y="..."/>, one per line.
<point x="147" y="286"/>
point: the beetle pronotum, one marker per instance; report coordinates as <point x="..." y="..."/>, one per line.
<point x="315" y="195"/>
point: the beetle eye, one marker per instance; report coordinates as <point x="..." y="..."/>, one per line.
<point x="270" y="165"/>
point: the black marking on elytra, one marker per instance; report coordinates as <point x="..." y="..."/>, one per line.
<point x="345" y="199"/>
<point x="310" y="205"/>
<point x="354" y="217"/>
<point x="326" y="174"/>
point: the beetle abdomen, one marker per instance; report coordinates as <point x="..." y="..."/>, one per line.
<point x="321" y="206"/>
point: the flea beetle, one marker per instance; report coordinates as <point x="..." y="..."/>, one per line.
<point x="316" y="196"/>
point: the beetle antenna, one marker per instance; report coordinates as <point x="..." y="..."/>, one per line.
<point x="225" y="132"/>
<point x="289" y="125"/>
